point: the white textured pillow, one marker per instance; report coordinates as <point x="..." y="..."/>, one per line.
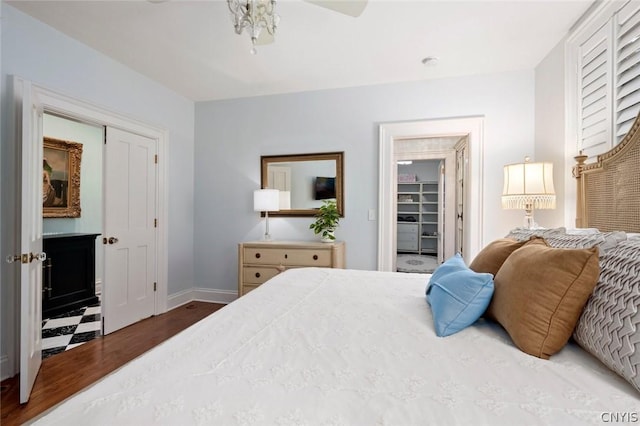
<point x="582" y="231"/>
<point x="609" y="326"/>
<point x="522" y="234"/>
<point x="561" y="238"/>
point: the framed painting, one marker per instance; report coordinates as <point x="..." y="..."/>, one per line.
<point x="61" y="178"/>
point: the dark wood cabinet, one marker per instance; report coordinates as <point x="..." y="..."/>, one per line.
<point x="69" y="273"/>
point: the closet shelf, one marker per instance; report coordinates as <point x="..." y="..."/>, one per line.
<point x="410" y="238"/>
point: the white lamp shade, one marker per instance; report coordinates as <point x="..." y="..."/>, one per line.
<point x="266" y="200"/>
<point x="528" y="184"/>
<point x="285" y="200"/>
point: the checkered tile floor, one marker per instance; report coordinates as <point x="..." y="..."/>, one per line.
<point x="66" y="331"/>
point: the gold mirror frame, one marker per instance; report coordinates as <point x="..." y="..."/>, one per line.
<point x="338" y="157"/>
<point x="66" y="202"/>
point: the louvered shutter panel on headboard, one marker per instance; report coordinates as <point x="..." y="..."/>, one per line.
<point x="594" y="80"/>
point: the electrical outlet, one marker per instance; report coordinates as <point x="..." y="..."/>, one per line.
<point x="372" y="214"/>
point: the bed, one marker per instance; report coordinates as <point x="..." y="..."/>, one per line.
<point x="319" y="346"/>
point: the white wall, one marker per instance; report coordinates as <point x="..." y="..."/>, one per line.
<point x="37" y="52"/>
<point x="231" y="136"/>
<point x="550" y="136"/>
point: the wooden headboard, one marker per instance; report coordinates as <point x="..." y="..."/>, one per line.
<point x="609" y="188"/>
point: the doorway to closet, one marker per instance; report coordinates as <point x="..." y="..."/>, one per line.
<point x="429" y="197"/>
<point x="459" y="141"/>
<point x="421" y="213"/>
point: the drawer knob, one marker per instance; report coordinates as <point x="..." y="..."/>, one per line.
<point x="280" y="268"/>
<point x="286" y="256"/>
<point x="257" y="255"/>
<point x="257" y="274"/>
<point x="315" y="257"/>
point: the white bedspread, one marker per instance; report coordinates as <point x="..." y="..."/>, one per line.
<point x="341" y="347"/>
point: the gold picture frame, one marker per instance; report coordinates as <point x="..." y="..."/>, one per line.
<point x="61" y="178"/>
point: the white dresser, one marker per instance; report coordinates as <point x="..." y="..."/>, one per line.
<point x="408" y="234"/>
<point x="258" y="261"/>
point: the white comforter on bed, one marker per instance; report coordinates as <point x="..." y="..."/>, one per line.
<point x="342" y="347"/>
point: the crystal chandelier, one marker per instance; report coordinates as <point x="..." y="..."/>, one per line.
<point x="255" y="16"/>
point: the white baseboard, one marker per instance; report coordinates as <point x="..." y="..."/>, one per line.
<point x="201" y="295"/>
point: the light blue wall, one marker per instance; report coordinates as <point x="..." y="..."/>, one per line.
<point x="90" y="221"/>
<point x="231" y="136"/>
<point x="37" y="52"/>
<point x="47" y="57"/>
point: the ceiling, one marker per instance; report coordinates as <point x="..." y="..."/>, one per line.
<point x="191" y="46"/>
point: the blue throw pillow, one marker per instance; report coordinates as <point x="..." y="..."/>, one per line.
<point x="457" y="295"/>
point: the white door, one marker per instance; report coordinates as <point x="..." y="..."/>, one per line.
<point x="29" y="217"/>
<point x="279" y="177"/>
<point x="461" y="171"/>
<point x="130" y="228"/>
<point x="441" y="213"/>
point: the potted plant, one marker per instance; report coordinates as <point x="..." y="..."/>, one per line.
<point x="326" y="222"/>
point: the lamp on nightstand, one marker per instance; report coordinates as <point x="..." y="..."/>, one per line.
<point x="266" y="200"/>
<point x="528" y="186"/>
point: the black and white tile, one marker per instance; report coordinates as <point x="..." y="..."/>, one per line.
<point x="71" y="329"/>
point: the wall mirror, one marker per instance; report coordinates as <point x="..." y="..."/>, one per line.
<point x="304" y="181"/>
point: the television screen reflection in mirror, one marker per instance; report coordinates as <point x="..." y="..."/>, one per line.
<point x="325" y="188"/>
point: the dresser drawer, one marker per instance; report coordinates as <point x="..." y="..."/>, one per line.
<point x="257" y="274"/>
<point x="407" y="245"/>
<point x="407" y="228"/>
<point x="248" y="287"/>
<point x="305" y="257"/>
<point x="287" y="257"/>
<point x="408" y="237"/>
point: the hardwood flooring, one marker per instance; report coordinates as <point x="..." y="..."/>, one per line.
<point x="66" y="373"/>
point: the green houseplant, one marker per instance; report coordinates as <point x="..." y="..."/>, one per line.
<point x="326" y="221"/>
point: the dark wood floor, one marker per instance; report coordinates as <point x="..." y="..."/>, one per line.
<point x="66" y="373"/>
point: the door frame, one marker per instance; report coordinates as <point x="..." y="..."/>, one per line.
<point x="73" y="108"/>
<point x="473" y="128"/>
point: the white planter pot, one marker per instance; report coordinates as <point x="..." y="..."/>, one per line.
<point x="327" y="239"/>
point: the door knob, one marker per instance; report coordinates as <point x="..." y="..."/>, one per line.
<point x="113" y="240"/>
<point x="26" y="258"/>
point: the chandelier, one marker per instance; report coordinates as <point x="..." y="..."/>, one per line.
<point x="255" y="16"/>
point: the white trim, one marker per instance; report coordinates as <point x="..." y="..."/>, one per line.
<point x="473" y="127"/>
<point x="74" y="108"/>
<point x="201" y="295"/>
<point x="571" y="130"/>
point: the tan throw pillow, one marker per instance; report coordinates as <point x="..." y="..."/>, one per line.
<point x="491" y="258"/>
<point x="539" y="295"/>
